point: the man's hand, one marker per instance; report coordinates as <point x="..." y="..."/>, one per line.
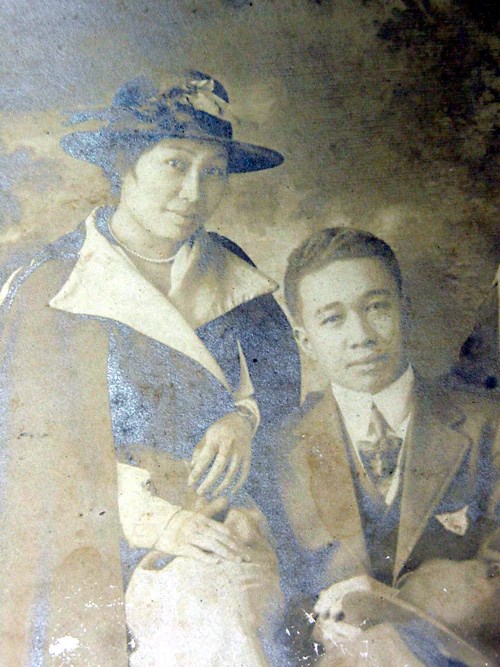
<point x="195" y="535"/>
<point x="330" y="624"/>
<point x="224" y="451"/>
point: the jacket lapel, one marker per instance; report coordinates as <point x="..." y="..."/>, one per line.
<point x="105" y="283"/>
<point x="436" y="448"/>
<point x="332" y="486"/>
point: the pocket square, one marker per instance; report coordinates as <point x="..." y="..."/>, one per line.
<point x="456" y="522"/>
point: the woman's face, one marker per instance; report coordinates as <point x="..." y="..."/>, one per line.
<point x="174" y="188"/>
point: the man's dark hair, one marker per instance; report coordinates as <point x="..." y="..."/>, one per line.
<point x="327" y="246"/>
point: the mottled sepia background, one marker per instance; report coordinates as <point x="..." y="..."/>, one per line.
<point x="384" y="109"/>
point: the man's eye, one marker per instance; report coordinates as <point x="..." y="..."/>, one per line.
<point x="332" y="319"/>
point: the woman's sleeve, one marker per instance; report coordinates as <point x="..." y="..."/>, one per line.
<point x="272" y="356"/>
<point x="269" y="346"/>
<point x="143" y="515"/>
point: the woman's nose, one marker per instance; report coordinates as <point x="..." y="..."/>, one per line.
<point x="191" y="185"/>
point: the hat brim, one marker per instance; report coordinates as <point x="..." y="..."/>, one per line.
<point x="97" y="147"/>
<point x="369" y="608"/>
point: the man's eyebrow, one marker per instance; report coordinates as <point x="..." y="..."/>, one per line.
<point x="379" y="292"/>
<point x="329" y="306"/>
<point x="336" y="304"/>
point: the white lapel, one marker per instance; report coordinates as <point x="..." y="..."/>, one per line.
<point x="208" y="281"/>
<point x="105" y="283"/>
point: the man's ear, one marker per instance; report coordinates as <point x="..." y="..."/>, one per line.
<point x="407" y="314"/>
<point x="303" y="340"/>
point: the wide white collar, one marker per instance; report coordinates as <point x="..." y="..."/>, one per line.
<point x="207" y="281"/>
<point x="105" y="283"/>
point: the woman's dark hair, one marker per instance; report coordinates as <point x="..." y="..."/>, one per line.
<point x="327" y="246"/>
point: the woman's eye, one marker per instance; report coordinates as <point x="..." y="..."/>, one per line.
<point x="379" y="305"/>
<point x="214" y="171"/>
<point x="177" y="164"/>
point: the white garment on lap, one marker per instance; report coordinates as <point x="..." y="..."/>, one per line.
<point x="197" y="614"/>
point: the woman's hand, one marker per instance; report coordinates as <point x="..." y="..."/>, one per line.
<point x="195" y="535"/>
<point x="225" y="452"/>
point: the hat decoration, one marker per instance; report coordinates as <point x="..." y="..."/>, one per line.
<point x="200" y="95"/>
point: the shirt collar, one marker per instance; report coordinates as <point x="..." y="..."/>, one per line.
<point x="394" y="402"/>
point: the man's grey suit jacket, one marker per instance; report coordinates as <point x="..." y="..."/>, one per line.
<point x="450" y="469"/>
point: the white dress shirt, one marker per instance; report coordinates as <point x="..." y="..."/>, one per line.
<point x="395" y="403"/>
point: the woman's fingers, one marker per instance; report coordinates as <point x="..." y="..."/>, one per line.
<point x="204" y="524"/>
<point x="225" y="453"/>
<point x="214" y="536"/>
<point x="211" y="538"/>
<point x="245" y="469"/>
<point x="203" y="456"/>
<point x="231" y="474"/>
<point x="191" y="551"/>
<point x="217" y="468"/>
<point x="212" y="544"/>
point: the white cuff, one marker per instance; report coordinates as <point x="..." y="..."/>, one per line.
<point x="143" y="515"/>
<point x="244" y="402"/>
<point x="247" y="407"/>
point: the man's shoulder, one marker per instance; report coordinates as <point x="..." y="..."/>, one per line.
<point x="459" y="405"/>
<point x="306" y="422"/>
<point x="304" y="413"/>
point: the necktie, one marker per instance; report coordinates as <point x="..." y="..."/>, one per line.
<point x="379" y="452"/>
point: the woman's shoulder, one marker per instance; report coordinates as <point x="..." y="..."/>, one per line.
<point x="44" y="272"/>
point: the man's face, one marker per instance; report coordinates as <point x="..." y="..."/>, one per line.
<point x="175" y="187"/>
<point x="352" y="323"/>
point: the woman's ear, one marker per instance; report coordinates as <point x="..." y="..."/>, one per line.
<point x="302" y="339"/>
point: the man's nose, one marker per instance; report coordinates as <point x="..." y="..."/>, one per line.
<point x="191" y="185"/>
<point x="359" y="331"/>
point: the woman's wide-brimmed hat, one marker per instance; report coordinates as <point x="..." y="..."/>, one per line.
<point x="140" y="115"/>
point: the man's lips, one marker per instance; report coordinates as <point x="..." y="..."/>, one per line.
<point x="368" y="361"/>
<point x="187" y="215"/>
